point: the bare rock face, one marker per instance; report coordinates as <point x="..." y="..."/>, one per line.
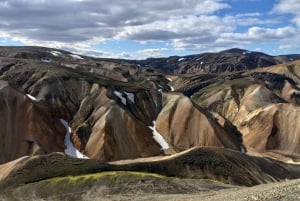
<point x="119" y="127"/>
<point x="111" y="132"/>
<point x="185" y="125"/>
<point x="280" y="130"/>
<point x="25" y="128"/>
<point x="263" y="107"/>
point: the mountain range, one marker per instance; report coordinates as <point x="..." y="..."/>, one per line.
<point x="98" y="124"/>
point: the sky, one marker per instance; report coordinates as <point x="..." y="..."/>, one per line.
<point x="138" y="29"/>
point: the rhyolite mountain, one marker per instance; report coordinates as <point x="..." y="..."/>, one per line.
<point x="225" y="61"/>
<point x="212" y="115"/>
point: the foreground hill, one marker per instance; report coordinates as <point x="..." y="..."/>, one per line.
<point x="50" y="174"/>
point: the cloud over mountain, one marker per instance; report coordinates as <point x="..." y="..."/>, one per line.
<point x="184" y="24"/>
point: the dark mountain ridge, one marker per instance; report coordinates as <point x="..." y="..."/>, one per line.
<point x="225" y="61"/>
<point x="230" y="60"/>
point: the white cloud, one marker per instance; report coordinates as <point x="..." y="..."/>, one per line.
<point x="150" y="52"/>
<point x="258" y="35"/>
<point x="73" y="21"/>
<point x="177" y="28"/>
<point x="77" y="25"/>
<point x="288" y="6"/>
<point x="291" y="7"/>
<point x="256" y="14"/>
<point x="254" y="35"/>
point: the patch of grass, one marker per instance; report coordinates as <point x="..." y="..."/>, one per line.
<point x="97" y="176"/>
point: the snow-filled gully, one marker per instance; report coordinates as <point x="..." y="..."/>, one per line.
<point x="31" y="97"/>
<point x="70" y="150"/>
<point x="158" y="137"/>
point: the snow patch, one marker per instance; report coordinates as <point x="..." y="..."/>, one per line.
<point x="46" y="60"/>
<point x="119" y="95"/>
<point x="242" y="149"/>
<point x="159" y="90"/>
<point x="291" y="59"/>
<point x="246" y="52"/>
<point x="169" y="79"/>
<point x="130" y="96"/>
<point x="201" y="62"/>
<point x="181" y="59"/>
<point x="290" y="161"/>
<point x="55" y="53"/>
<point x="75" y="56"/>
<point x="31" y="97"/>
<point x="158" y="137"/>
<point x="172" y="88"/>
<point x="71" y="150"/>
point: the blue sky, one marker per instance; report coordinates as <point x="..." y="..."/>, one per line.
<point x="136" y="29"/>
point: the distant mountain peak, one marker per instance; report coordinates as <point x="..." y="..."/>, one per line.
<point x="236" y="50"/>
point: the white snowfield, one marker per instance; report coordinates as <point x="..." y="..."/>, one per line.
<point x="293" y="162"/>
<point x="31" y="97"/>
<point x="172" y="88"/>
<point x="118" y="94"/>
<point x="55" y="53"/>
<point x="158" y="137"/>
<point x="75" y="56"/>
<point x="247" y="52"/>
<point x="130" y="96"/>
<point x="46" y="60"/>
<point x="181" y="59"/>
<point x="169" y="79"/>
<point x="242" y="149"/>
<point x="71" y="150"/>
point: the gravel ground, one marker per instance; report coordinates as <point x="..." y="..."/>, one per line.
<point x="283" y="191"/>
<point x="205" y="191"/>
